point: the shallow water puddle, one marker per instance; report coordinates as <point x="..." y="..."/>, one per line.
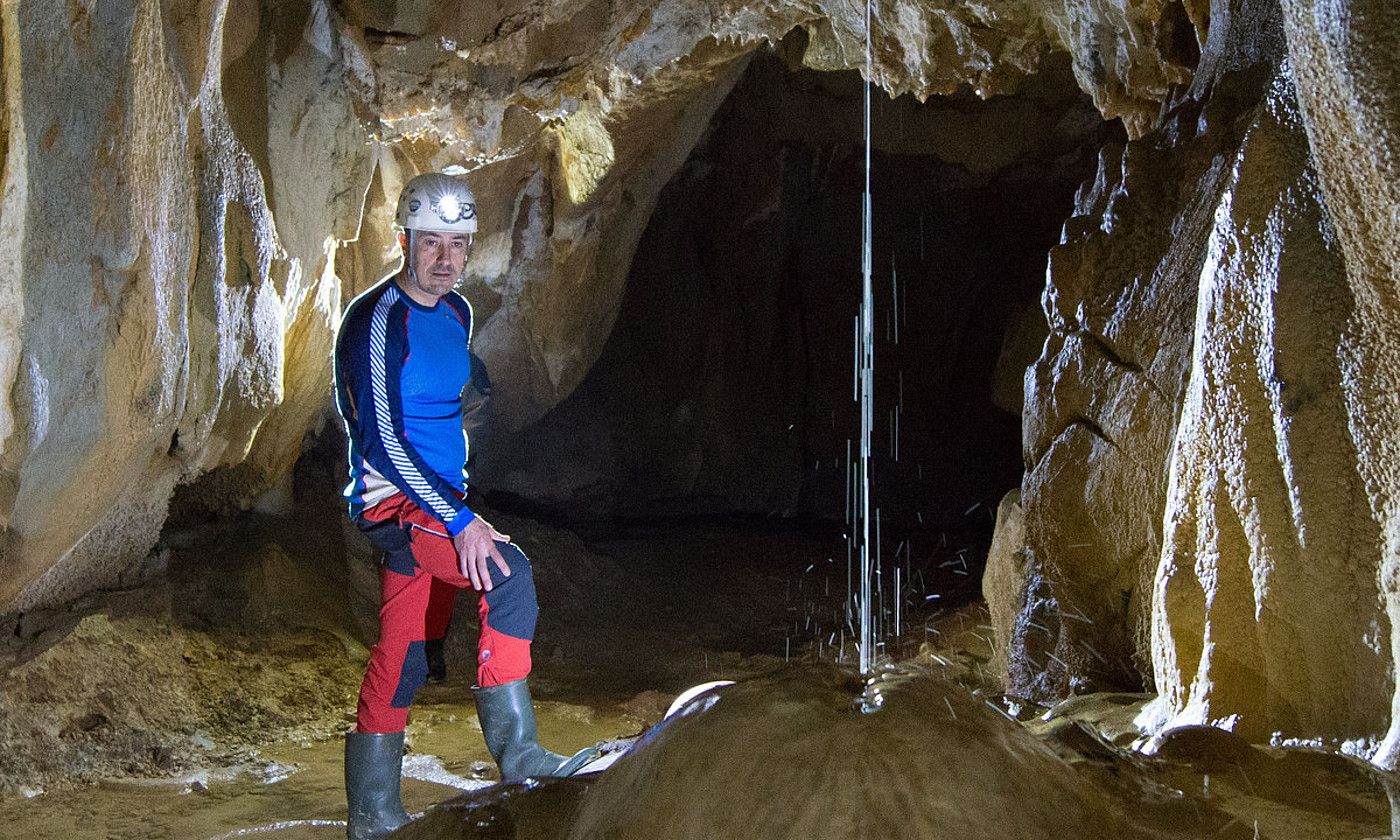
<point x="292" y="791"/>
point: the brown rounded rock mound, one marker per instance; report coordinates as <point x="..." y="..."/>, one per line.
<point x="793" y="756"/>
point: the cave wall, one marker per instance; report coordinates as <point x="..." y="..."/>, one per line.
<point x="1270" y="554"/>
<point x="1206" y="506"/>
<point x="1346" y="55"/>
<point x="1102" y="401"/>
<point x="155" y="307"/>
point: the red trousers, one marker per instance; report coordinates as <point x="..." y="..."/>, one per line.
<point x="418" y="585"/>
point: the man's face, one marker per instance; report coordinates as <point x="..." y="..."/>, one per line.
<point x="437" y="260"/>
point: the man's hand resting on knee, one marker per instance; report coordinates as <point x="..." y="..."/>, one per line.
<point x="476" y="544"/>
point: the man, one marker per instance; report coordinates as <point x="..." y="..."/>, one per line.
<point x="402" y="359"/>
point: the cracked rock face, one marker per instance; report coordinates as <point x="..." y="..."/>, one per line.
<point x="1102" y="401"/>
<point x="1270" y="554"/>
<point x="1207" y="507"/>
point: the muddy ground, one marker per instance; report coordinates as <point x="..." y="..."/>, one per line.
<point x="252" y="641"/>
<point x="209" y="701"/>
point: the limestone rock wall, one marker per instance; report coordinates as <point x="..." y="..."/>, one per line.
<point x="1346" y="57"/>
<point x="1270" y="555"/>
<point x="1100" y="412"/>
<point x="1210" y="434"/>
<point x="1103" y="399"/>
<point x="156" y="313"/>
<point x="1275" y="599"/>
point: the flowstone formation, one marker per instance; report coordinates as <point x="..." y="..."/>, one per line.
<point x="1207" y="508"/>
<point x="1346" y="58"/>
<point x="1270" y="554"/>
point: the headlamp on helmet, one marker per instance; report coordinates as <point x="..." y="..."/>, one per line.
<point x="436" y="201"/>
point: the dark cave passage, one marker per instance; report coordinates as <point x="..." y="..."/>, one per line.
<point x="727" y="386"/>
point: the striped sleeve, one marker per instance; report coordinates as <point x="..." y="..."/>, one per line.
<point x="379" y="418"/>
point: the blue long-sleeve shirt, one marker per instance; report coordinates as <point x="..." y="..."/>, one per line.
<point x="400" y="368"/>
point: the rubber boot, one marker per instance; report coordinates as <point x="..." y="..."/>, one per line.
<point x="372" y="767"/>
<point x="507" y="718"/>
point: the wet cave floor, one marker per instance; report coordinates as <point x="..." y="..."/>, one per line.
<point x="209" y="706"/>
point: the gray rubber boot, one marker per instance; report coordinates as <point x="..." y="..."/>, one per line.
<point x="507" y="718"/>
<point x="372" y="767"/>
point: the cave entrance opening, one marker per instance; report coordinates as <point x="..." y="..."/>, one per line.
<point x="727" y="388"/>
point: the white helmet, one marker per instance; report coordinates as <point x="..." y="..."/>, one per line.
<point x="437" y="201"/>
